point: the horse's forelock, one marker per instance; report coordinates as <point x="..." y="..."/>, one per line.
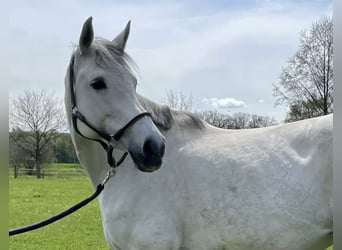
<point x="107" y="55"/>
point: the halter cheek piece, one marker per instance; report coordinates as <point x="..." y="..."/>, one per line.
<point x="108" y="147"/>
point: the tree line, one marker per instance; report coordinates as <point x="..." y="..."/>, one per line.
<point x="239" y="120"/>
<point x="22" y="155"/>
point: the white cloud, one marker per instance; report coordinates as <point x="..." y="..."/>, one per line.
<point x="261" y="101"/>
<point x="224" y="103"/>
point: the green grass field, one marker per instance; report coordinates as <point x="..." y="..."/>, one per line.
<point x="33" y="199"/>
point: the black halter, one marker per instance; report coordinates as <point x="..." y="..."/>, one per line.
<point x="106" y="145"/>
<point x="76" y="114"/>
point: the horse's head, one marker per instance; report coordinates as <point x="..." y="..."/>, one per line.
<point x="104" y="88"/>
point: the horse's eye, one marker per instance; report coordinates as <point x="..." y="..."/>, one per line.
<point x="98" y="83"/>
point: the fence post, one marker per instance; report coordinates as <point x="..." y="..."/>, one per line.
<point x="15" y="171"/>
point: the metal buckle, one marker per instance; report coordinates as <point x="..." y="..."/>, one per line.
<point x="110" y="173"/>
<point x="74" y="110"/>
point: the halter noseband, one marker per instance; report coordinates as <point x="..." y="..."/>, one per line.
<point x="76" y="114"/>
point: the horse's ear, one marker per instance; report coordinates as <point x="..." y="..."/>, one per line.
<point x="87" y="36"/>
<point x="121" y="39"/>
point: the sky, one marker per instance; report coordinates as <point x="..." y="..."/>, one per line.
<point x="225" y="54"/>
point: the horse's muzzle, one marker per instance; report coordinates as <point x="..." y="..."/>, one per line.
<point x="150" y="157"/>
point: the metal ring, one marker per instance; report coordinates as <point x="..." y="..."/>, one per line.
<point x="110" y="173"/>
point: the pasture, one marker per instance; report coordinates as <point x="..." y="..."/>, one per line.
<point x="33" y="199"/>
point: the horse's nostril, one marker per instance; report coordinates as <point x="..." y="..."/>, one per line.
<point x="148" y="147"/>
<point x="150" y="157"/>
<point x="152" y="148"/>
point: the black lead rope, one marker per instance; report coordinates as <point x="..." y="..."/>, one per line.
<point x="59" y="216"/>
<point x="68" y="211"/>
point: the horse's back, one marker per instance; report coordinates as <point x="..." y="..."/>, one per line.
<point x="263" y="182"/>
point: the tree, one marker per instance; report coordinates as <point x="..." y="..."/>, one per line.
<point x="64" y="151"/>
<point x="258" y="121"/>
<point x="35" y="119"/>
<point x="238" y="120"/>
<point x="301" y="110"/>
<point x="241" y="120"/>
<point x="307" y="81"/>
<point x="17" y="156"/>
<point x="177" y="100"/>
<point x="216" y="119"/>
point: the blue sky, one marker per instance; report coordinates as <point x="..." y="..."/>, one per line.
<point x="227" y="54"/>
